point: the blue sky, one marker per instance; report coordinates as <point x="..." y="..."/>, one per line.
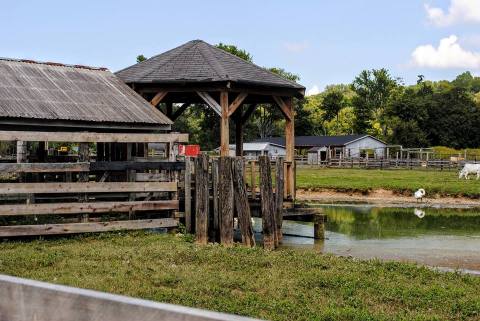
<point x="324" y="42"/>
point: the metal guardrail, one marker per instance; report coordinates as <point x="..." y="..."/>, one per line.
<point x="23" y="299"/>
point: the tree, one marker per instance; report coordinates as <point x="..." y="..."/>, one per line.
<point x="373" y="89"/>
<point x="234" y="50"/>
<point x="332" y="103"/>
<point x="141" y="58"/>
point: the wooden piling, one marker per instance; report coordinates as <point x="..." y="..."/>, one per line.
<point x="83" y="156"/>
<point x="225" y="200"/>
<point x="279" y="184"/>
<point x="319" y="226"/>
<point x="202" y="199"/>
<point x="267" y="203"/>
<point x="241" y="203"/>
<point x="216" y="219"/>
<point x="188" y="195"/>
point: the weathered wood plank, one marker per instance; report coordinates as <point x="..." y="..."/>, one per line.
<point x="279" y="178"/>
<point x="224" y="125"/>
<point x="212" y="103"/>
<point x="87" y="187"/>
<point x="90" y="137"/>
<point x="71" y="228"/>
<point x="241" y="203"/>
<point x="266" y="194"/>
<point x="157" y="99"/>
<point x="91" y="208"/>
<point x="44" y="167"/>
<point x="24" y="299"/>
<point x="225" y="196"/>
<point x="236" y="103"/>
<point x="215" y="182"/>
<point x="201" y="199"/>
<point x="150" y="177"/>
<point x="188" y="194"/>
<point x="284" y="107"/>
<point x="138" y="166"/>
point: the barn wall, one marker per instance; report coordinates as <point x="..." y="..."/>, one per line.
<point x="366" y="143"/>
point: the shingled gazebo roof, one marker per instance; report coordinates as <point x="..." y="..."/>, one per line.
<point x="199" y="63"/>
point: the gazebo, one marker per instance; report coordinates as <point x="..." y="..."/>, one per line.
<point x="197" y="72"/>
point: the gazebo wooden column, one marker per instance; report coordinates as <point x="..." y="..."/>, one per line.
<point x="289" y="187"/>
<point x="224" y="129"/>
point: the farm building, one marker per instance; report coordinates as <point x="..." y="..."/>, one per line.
<point x="105" y="125"/>
<point x="253" y="150"/>
<point x="324" y="147"/>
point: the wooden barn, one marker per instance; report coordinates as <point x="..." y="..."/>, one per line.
<point x="81" y="164"/>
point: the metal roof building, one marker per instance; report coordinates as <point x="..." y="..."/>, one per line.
<point x="52" y="96"/>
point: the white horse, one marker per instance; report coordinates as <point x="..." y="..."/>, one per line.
<point x="470" y="169"/>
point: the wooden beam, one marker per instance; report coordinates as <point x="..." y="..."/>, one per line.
<point x="138" y="166"/>
<point x="179" y="111"/>
<point x="87" y="187"/>
<point x="290" y="152"/>
<point x="286" y="111"/>
<point x="248" y="113"/>
<point x="211" y="102"/>
<point x="43" y="167"/>
<point x="90" y="137"/>
<point x="236" y="103"/>
<point x="75" y="208"/>
<point x="158" y="98"/>
<point x="224" y="125"/>
<point x="71" y="228"/>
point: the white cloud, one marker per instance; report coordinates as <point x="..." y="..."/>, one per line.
<point x="313" y="91"/>
<point x="296" y="47"/>
<point x="467" y="11"/>
<point x="448" y="54"/>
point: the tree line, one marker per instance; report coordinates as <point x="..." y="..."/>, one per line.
<point x="429" y="113"/>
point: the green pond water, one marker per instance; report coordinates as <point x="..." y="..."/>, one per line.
<point x="443" y="238"/>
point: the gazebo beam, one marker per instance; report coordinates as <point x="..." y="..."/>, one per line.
<point x="212" y="102"/>
<point x="283" y="107"/>
<point x="224" y="130"/>
<point x="179" y="111"/>
<point x="158" y="98"/>
<point x="236" y="103"/>
<point x="248" y="113"/>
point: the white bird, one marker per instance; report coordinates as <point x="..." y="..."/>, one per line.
<point x="419" y="194"/>
<point x="419" y="213"/>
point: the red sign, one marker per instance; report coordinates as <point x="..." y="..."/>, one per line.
<point x="189" y="150"/>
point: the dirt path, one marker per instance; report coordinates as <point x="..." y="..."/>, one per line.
<point x="384" y="197"/>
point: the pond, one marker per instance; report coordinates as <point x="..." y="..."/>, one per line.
<point x="448" y="239"/>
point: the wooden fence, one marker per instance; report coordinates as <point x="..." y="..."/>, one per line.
<point x="121" y="189"/>
<point x="23" y="299"/>
<point x="380" y="163"/>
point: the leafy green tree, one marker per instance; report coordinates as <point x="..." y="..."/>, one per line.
<point x="332" y="103"/>
<point x="141" y="58"/>
<point x="234" y="50"/>
<point x="373" y="89"/>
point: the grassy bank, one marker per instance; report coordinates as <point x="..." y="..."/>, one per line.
<point x="280" y="285"/>
<point x="444" y="183"/>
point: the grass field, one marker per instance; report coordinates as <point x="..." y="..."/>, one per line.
<point x="444" y="183"/>
<point x="280" y="285"/>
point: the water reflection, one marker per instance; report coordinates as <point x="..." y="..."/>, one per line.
<point x="448" y="238"/>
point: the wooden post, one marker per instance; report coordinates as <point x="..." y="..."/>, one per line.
<point x="21" y="151"/>
<point x="224" y="131"/>
<point x="253" y="179"/>
<point x="130" y="176"/>
<point x="279" y="178"/>
<point x="225" y="200"/>
<point x="266" y="194"/>
<point x="83" y="153"/>
<point x="201" y="199"/>
<point x="188" y="195"/>
<point x="319" y="226"/>
<point x="241" y="203"/>
<point x="290" y="152"/>
<point x="215" y="182"/>
<point x="238" y="132"/>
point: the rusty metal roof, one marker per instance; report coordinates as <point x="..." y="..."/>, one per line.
<point x="52" y="91"/>
<point x="197" y="61"/>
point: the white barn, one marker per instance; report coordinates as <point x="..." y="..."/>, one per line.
<point x="253" y="150"/>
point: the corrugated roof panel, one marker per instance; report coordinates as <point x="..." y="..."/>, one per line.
<point x="45" y="91"/>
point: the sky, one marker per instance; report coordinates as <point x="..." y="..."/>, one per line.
<point x="324" y="42"/>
